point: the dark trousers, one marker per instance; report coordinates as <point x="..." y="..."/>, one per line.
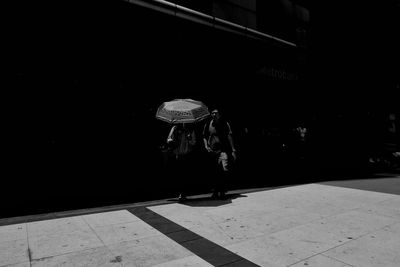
<point x="219" y="177"/>
<point x="183" y="172"/>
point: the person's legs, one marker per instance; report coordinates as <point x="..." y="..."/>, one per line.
<point x="186" y="175"/>
<point x="179" y="176"/>
<point x="171" y="172"/>
<point x="223" y="164"/>
<point x="215" y="174"/>
<point x="224" y="180"/>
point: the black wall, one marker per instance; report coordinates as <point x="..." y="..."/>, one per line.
<point x="85" y="80"/>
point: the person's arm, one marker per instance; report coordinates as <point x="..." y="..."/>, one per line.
<point x="230" y="138"/>
<point x="171" y="135"/>
<point x="231" y="143"/>
<point x="205" y="136"/>
<point x="192" y="139"/>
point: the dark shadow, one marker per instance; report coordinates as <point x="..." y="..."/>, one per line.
<point x="350" y="175"/>
<point x="209" y="201"/>
<point x="389" y="185"/>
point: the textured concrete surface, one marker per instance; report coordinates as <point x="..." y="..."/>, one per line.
<point x="305" y="225"/>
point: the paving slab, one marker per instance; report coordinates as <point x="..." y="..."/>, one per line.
<point x="109" y="218"/>
<point x="149" y="251"/>
<point x="321" y="261"/>
<point x="52" y="244"/>
<point x="285" y="247"/>
<point x="57" y="226"/>
<point x="22" y="264"/>
<point x="216" y="255"/>
<point x="13" y="232"/>
<point x="192" y="261"/>
<point x="215" y="234"/>
<point x="13" y="252"/>
<point x="298" y="223"/>
<point x="384" y="208"/>
<point x="305" y="225"/>
<point x="351" y="224"/>
<point x="378" y="248"/>
<point x="183" y="236"/>
<point x="100" y="256"/>
<point x="117" y="233"/>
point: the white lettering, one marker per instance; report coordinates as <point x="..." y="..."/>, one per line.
<point x="278" y="73"/>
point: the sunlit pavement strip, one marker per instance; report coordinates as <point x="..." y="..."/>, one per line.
<point x="308" y="225"/>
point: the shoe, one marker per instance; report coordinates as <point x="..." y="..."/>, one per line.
<point x="214" y="196"/>
<point x="182" y="198"/>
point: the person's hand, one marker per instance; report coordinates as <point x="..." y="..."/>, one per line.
<point x="208" y="149"/>
<point x="234" y="155"/>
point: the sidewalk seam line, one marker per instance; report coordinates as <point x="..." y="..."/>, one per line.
<point x="344" y="243"/>
<point x="29" y="249"/>
<point x="91" y="228"/>
<point x="234" y="261"/>
<point x="333" y="258"/>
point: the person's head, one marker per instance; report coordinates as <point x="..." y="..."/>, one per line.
<point x="185" y="126"/>
<point x="179" y="126"/>
<point x="188" y="126"/>
<point x="215" y="115"/>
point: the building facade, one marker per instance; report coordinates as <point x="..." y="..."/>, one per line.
<point x="89" y="75"/>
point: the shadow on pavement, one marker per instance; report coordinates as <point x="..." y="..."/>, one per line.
<point x="208" y="201"/>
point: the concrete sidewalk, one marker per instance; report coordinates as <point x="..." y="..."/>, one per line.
<point x="305" y="225"/>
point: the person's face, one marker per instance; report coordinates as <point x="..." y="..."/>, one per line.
<point x="215" y="114"/>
